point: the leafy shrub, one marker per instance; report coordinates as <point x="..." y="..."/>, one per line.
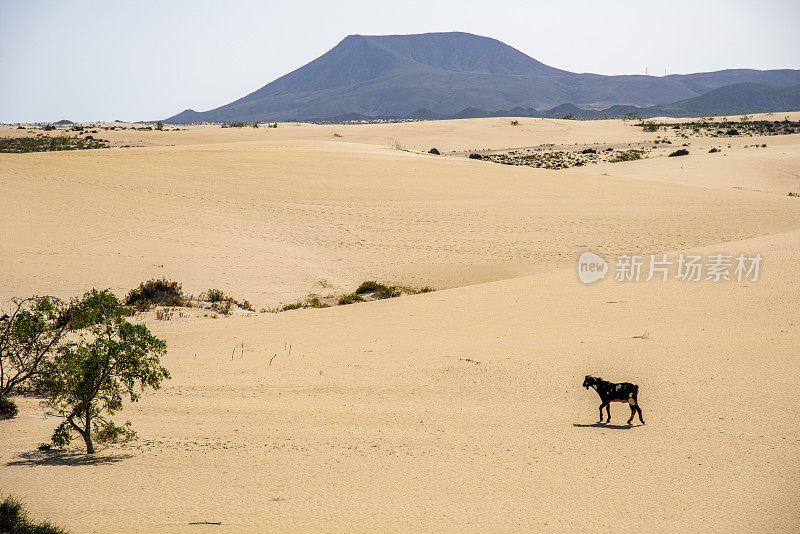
<point x="159" y="125"/>
<point x="378" y="290"/>
<point x="107" y="432"/>
<point x="223" y="307"/>
<point x="650" y="126"/>
<point x="8" y="408"/>
<point x="367" y="287"/>
<point x="222" y="302"/>
<point x="679" y="152"/>
<point x="434" y="151"/>
<point x="49" y="127"/>
<point x="475" y="156"/>
<point x="311" y="302"/>
<point x="213" y="295"/>
<point x="515" y="123"/>
<point x="713" y="150"/>
<point x="160" y="291"/>
<point x="350" y="299"/>
<point x="14" y="520"/>
<point x="627" y="155"/>
<point x="314" y="302"/>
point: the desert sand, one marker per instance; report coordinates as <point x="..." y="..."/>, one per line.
<point x="457" y="410"/>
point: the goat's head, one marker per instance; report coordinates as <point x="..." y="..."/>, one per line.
<point x="589" y="381"/>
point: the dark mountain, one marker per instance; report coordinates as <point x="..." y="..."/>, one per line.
<point x="436" y="75"/>
<point x="734" y="100"/>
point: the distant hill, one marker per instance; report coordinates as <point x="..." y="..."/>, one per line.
<point x="439" y="75"/>
<point x="735" y="100"/>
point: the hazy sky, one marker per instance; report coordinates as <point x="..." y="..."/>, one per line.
<point x="143" y="60"/>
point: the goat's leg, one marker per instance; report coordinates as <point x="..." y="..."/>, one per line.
<point x="640" y="413"/>
<point x="633" y="412"/>
<point x="608" y="410"/>
<point x="603" y="405"/>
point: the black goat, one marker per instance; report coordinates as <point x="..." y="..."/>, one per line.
<point x="610" y="392"/>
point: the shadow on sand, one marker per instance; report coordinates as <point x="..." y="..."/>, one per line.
<point x="34" y="458"/>
<point x="606" y="425"/>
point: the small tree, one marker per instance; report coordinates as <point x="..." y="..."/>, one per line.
<point x="28" y="336"/>
<point x="159" y="125"/>
<point x="89" y="378"/>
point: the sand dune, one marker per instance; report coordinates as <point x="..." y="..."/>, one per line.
<point x="458" y="410"/>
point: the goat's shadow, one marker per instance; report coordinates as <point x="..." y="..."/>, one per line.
<point x="606" y="425"/>
<point x="35" y="458"/>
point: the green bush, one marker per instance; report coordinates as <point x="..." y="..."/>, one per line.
<point x="650" y="126"/>
<point x="627" y="155"/>
<point x="350" y="299"/>
<point x="314" y="302"/>
<point x="213" y="295"/>
<point x="8" y="408"/>
<point x="222" y="306"/>
<point x="14" y="520"/>
<point x="311" y="302"/>
<point x="222" y="302"/>
<point x="156" y="291"/>
<point x="378" y="290"/>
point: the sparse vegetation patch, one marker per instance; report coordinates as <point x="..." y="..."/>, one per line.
<point x="626" y="155"/>
<point x="156" y="292"/>
<point x="44" y="143"/>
